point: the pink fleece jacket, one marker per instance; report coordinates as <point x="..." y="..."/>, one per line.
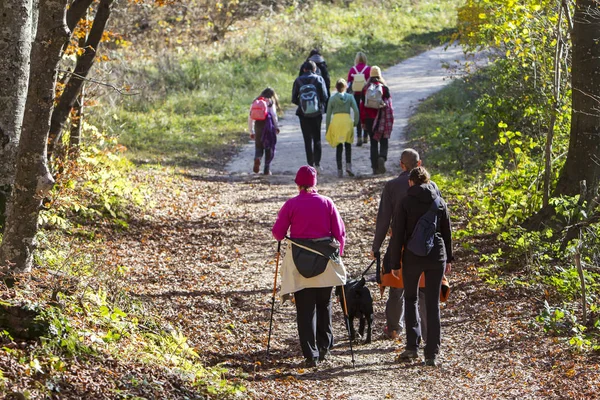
<point x="310" y="216"/>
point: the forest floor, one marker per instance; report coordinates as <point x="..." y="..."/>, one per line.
<point x="205" y="259"/>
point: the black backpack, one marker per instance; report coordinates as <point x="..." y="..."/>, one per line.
<point x="423" y="237"/>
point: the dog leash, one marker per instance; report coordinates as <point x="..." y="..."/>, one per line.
<point x="369" y="267"/>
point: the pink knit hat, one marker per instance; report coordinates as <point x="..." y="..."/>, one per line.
<point x="306" y="176"/>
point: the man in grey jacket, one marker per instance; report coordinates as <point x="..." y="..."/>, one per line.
<point x="393" y="193"/>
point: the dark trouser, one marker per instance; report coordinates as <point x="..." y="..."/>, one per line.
<point x="311" y="132"/>
<point x="259" y="150"/>
<point x="313" y="315"/>
<point x="338" y="154"/>
<point x="394" y="309"/>
<point x="378" y="148"/>
<point x="359" y="126"/>
<point x="433" y="284"/>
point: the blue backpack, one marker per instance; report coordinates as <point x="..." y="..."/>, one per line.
<point x="422" y="239"/>
<point x="309" y="99"/>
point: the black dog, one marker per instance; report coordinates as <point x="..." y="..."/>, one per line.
<point x="360" y="305"/>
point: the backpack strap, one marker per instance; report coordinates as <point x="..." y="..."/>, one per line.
<point x="364" y="69"/>
<point x="355" y="70"/>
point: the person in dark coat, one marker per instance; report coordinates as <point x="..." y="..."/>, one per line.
<point x="316" y="57"/>
<point x="419" y="198"/>
<point x="311" y="124"/>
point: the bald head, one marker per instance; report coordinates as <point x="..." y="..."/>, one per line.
<point x="409" y="159"/>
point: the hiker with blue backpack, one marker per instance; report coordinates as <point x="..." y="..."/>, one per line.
<point x="264" y="127"/>
<point x="422" y="239"/>
<point x="358" y="76"/>
<point x="375" y="109"/>
<point x="310" y="95"/>
<point x="321" y="68"/>
<point x="340" y="125"/>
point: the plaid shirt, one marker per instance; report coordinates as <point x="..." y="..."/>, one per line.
<point x="384" y="122"/>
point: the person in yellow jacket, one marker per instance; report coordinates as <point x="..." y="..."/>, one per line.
<point x="340" y="125"/>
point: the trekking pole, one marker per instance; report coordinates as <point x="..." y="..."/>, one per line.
<point x="273" y="298"/>
<point x="347" y="319"/>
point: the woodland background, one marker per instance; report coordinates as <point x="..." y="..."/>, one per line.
<point x="105" y="122"/>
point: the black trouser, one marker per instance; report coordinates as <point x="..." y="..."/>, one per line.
<point x="359" y="126"/>
<point x="311" y="132"/>
<point x="338" y="154"/>
<point x="378" y="148"/>
<point x="433" y="284"/>
<point x="313" y="315"/>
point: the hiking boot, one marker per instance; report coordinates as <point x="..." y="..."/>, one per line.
<point x="390" y="334"/>
<point x="381" y="165"/>
<point x="318" y="169"/>
<point x="323" y="355"/>
<point x="349" y="169"/>
<point x="359" y="141"/>
<point x="256" y="165"/>
<point x="408" y="355"/>
<point x="340" y="173"/>
<point x="430" y="362"/>
<point x="311" y="362"/>
<point x="267" y="171"/>
<point x="365" y="138"/>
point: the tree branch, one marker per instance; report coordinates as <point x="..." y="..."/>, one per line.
<point x="122" y="91"/>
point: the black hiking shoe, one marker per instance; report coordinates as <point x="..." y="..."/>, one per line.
<point x="311" y="363"/>
<point x="408" y="355"/>
<point x="323" y="355"/>
<point x="430" y="362"/>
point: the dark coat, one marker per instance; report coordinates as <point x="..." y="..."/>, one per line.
<point x="322" y="71"/>
<point x="416" y="203"/>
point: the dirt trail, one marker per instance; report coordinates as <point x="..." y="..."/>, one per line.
<point x="205" y="259"/>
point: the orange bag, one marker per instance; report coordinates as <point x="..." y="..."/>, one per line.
<point x="389" y="280"/>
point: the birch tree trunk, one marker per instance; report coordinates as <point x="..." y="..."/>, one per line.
<point x="16" y="36"/>
<point x="33" y="180"/>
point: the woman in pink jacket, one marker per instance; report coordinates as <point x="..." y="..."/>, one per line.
<point x="311" y="216"/>
<point x="358" y="76"/>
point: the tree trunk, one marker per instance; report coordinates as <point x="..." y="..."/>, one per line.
<point x="16" y="36"/>
<point x="82" y="69"/>
<point x="583" y="157"/>
<point x="32" y="179"/>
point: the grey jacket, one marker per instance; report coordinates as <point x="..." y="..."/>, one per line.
<point x="393" y="193"/>
<point x="391" y="197"/>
